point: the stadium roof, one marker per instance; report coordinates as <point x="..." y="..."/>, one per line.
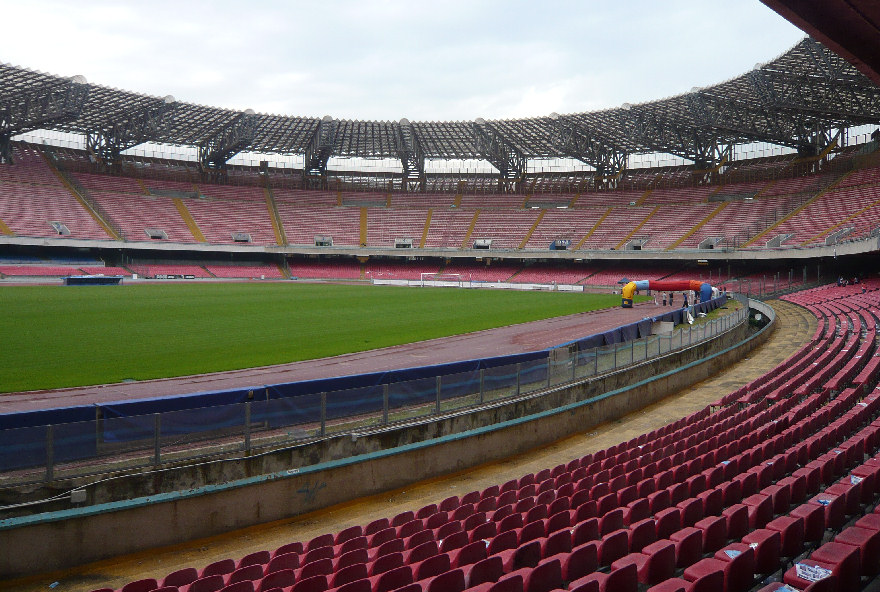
<point x="851" y="28"/>
<point x="798" y="100"/>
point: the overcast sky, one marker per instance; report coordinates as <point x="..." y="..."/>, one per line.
<point x="383" y="60"/>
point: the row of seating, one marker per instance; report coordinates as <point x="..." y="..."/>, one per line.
<point x="754" y="486"/>
<point x="31" y="197"/>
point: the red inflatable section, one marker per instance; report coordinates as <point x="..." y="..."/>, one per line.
<point x="677" y="285"/>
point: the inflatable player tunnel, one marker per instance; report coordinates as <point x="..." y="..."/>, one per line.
<point x="701" y="288"/>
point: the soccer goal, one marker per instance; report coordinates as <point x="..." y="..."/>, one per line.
<point x="452" y="280"/>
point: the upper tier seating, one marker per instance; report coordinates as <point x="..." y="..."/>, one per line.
<point x="652" y="211"/>
<point x="32" y="197"/>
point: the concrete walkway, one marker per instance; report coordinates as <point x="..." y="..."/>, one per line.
<point x="795" y="327"/>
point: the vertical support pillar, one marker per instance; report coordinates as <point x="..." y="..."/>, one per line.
<point x="439" y="387"/>
<point x="632" y="353"/>
<point x="482" y="380"/>
<point x="324" y="413"/>
<point x="596" y="361"/>
<point x="385" y="390"/>
<point x="50" y="453"/>
<point x="247" y="427"/>
<point x="549" y="368"/>
<point x="615" y="356"/>
<point x="157" y="432"/>
<point x="573" y="358"/>
<point x="518" y="371"/>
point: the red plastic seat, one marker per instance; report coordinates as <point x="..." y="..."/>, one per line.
<point x="544" y="577"/>
<point x="558" y="542"/>
<point x="323" y="540"/>
<point x="484" y="531"/>
<point x="654" y="564"/>
<point x="688" y="546"/>
<point x="797" y="487"/>
<point x="205" y="584"/>
<point x="582" y="560"/>
<point x="691" y="511"/>
<point x="641" y="534"/>
<point x="845" y="561"/>
<point x="181" y="577"/>
<point x="813" y="516"/>
<point x="526" y="555"/>
<point x="144" y="585"/>
<point x="868" y="542"/>
<point x="240" y="586"/>
<point x="703" y="568"/>
<point x="468" y="555"/>
<point x="502" y="542"/>
<point x="456" y="540"/>
<point x="611" y="521"/>
<point x="713" y="502"/>
<point x="835" y="509"/>
<point x="385" y="563"/>
<point x="294" y="547"/>
<point x="430" y="567"/>
<point x="760" y="509"/>
<point x="584" y="532"/>
<point x="222" y="567"/>
<point x="781" y="495"/>
<point x="851" y="493"/>
<point x="613" y="546"/>
<point x="348" y="534"/>
<point x="487" y="570"/>
<point x="659" y="500"/>
<point x="667" y="522"/>
<point x="714" y="533"/>
<point x="830" y="582"/>
<point x="313" y="584"/>
<point x="450" y="581"/>
<point x="636" y="511"/>
<point x="766" y="544"/>
<point x="737" y="517"/>
<point x="350" y="558"/>
<point x="279" y="579"/>
<point x="739" y="573"/>
<point x="624" y="579"/>
<point x="671" y="585"/>
<point x="791" y="531"/>
<point x="242" y="574"/>
<point x="422" y="552"/>
<point x="318" y="554"/>
<point x="349" y="574"/>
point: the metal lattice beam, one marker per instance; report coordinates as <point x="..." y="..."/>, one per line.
<point x="796" y="99"/>
<point x="501" y="153"/>
<point x="106" y="145"/>
<point x="576" y="141"/>
<point x="412" y="159"/>
<point x="40" y="107"/>
<point x="226" y="142"/>
<point x="321" y="148"/>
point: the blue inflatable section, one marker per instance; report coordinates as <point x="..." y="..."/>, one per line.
<point x="77" y="433"/>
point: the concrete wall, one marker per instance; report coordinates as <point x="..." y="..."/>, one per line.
<point x="211" y="499"/>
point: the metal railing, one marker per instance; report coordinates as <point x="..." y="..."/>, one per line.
<point x="51" y="452"/>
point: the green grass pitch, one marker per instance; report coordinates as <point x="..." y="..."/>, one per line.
<point x="55" y="336"/>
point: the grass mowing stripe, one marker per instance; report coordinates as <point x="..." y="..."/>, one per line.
<point x="74" y="336"/>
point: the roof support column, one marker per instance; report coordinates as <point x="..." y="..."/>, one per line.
<point x="509" y="161"/>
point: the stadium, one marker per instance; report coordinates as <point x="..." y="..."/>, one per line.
<point x="630" y="349"/>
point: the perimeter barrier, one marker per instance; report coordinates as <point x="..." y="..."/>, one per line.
<point x="43" y="445"/>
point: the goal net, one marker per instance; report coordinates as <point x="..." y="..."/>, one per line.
<point x="441" y="280"/>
